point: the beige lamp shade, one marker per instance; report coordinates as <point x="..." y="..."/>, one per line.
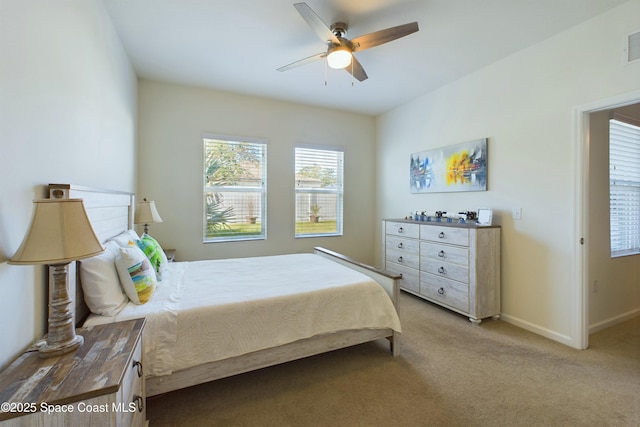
<point x="60" y="232"/>
<point x="146" y="213"/>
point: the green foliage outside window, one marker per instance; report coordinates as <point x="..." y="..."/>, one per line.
<point x="234" y="189"/>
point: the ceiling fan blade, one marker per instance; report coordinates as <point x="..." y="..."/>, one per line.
<point x="356" y="70"/>
<point x="304" y="61"/>
<point x="383" y="36"/>
<point x="316" y="24"/>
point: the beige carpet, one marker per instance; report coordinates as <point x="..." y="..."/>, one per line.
<point x="450" y="373"/>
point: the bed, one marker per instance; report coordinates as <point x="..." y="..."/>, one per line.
<point x="244" y="313"/>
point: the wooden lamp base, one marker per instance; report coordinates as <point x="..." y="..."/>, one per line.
<point x="62" y="338"/>
<point x="58" y="349"/>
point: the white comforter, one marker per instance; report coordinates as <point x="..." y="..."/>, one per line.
<point x="205" y="311"/>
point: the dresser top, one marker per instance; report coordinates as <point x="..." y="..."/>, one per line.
<point x="444" y="223"/>
<point x="95" y="369"/>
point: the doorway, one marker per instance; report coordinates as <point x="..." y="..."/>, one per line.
<point x="587" y="286"/>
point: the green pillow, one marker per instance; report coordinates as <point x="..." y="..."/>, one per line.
<point x="154" y="253"/>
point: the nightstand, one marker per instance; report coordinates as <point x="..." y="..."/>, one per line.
<point x="101" y="383"/>
<point x="171" y="254"/>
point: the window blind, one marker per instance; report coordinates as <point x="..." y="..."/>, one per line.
<point x="319" y="188"/>
<point x="624" y="187"/>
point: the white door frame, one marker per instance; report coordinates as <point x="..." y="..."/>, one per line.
<point x="580" y="291"/>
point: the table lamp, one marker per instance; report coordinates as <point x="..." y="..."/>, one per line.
<point x="60" y="232"/>
<point x="146" y="213"/>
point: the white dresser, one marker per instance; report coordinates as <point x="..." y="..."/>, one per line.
<point x="453" y="265"/>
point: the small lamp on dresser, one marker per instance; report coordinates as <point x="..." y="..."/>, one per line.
<point x="146" y="213"/>
<point x="60" y="232"/>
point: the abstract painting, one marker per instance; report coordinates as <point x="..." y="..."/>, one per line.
<point x="461" y="167"/>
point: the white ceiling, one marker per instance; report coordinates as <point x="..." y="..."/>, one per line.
<point x="237" y="45"/>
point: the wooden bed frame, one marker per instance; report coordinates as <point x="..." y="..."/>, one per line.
<point x="111" y="212"/>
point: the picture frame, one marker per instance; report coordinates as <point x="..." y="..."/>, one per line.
<point x="460" y="167"/>
<point x="485" y="217"/>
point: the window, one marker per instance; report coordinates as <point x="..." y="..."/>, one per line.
<point x="234" y="189"/>
<point x="624" y="186"/>
<point x="319" y="187"/>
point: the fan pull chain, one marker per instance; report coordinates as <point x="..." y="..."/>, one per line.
<point x="326" y="67"/>
<point x="352" y="76"/>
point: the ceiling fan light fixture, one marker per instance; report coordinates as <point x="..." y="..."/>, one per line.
<point x="340" y="50"/>
<point x="339" y="57"/>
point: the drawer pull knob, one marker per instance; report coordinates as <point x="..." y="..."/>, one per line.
<point x="400" y="230"/>
<point x="441" y="291"/>
<point x="139" y="401"/>
<point x="441" y="254"/>
<point x="441" y="270"/>
<point x="138" y="365"/>
<point x="400" y="259"/>
<point x="441" y="235"/>
<point x="400" y="245"/>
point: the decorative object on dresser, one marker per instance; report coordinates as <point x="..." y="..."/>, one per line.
<point x="146" y="213"/>
<point x="60" y="232"/>
<point x="102" y="384"/>
<point x="454" y="265"/>
<point x="485" y="217"/>
<point x="461" y="167"/>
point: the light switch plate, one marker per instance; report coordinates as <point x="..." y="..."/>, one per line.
<point x="516" y="213"/>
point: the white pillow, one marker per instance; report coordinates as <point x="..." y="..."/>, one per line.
<point x="100" y="283"/>
<point x="125" y="237"/>
<point x="137" y="275"/>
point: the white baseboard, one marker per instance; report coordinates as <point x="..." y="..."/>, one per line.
<point x="536" y="329"/>
<point x="614" y="321"/>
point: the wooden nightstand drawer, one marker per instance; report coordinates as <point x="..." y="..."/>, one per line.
<point x="131" y="394"/>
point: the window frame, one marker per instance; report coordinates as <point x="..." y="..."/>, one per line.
<point x="261" y="190"/>
<point x="630" y="188"/>
<point x="338" y="191"/>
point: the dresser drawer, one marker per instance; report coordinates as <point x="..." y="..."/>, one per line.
<point x="403" y="229"/>
<point x="447" y="253"/>
<point x="451" y="235"/>
<point x="394" y="243"/>
<point x="398" y="256"/>
<point x="445" y="291"/>
<point x="410" y="276"/>
<point x="445" y="269"/>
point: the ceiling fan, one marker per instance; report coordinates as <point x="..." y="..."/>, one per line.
<point x="340" y="50"/>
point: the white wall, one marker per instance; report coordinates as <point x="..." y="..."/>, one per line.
<point x="68" y="115"/>
<point x="172" y="120"/>
<point x="614" y="283"/>
<point x="525" y="105"/>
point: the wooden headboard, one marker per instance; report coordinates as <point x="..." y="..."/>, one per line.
<point x="110" y="213"/>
